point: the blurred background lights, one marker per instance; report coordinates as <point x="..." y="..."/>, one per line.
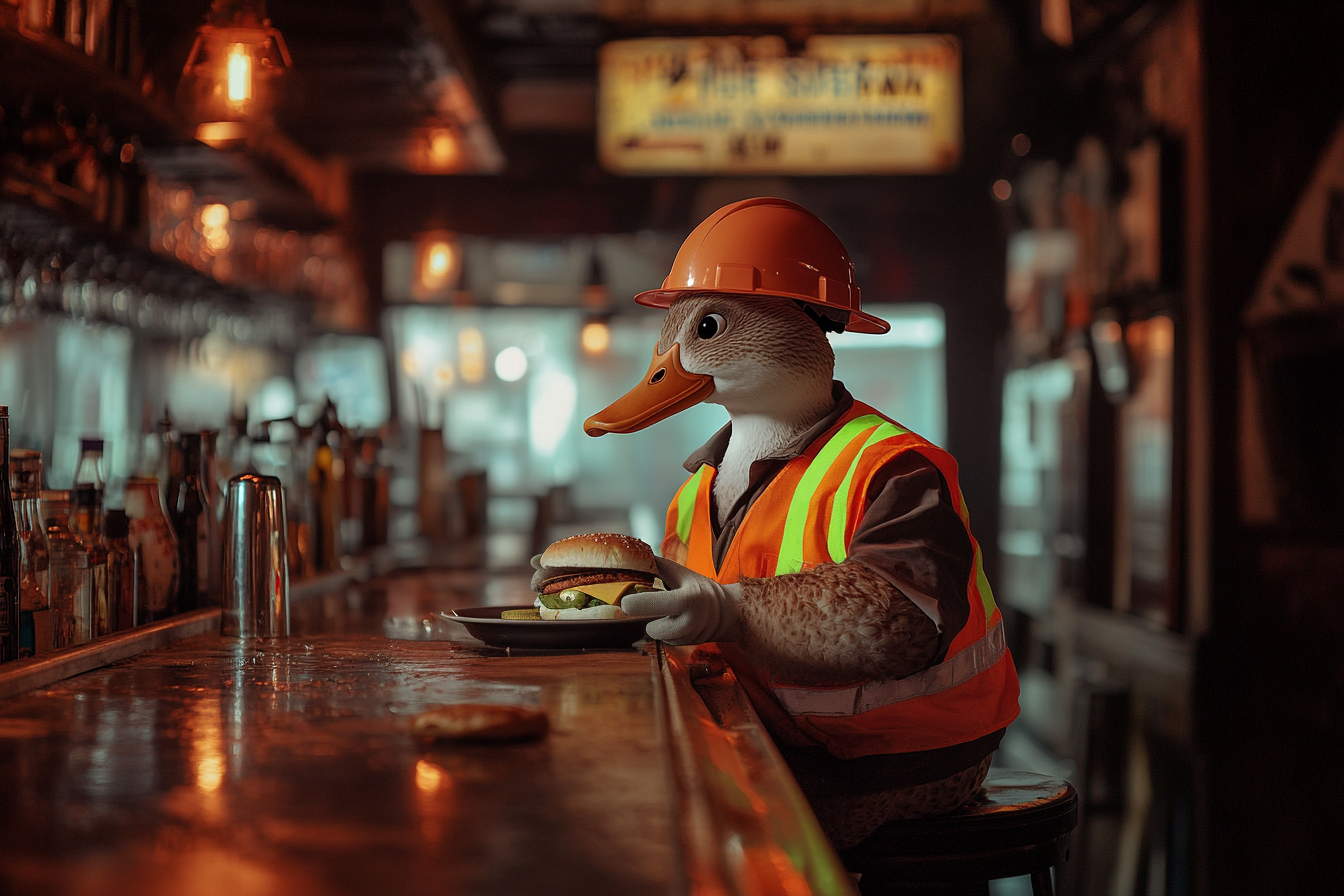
<point x="1021" y="145"/>
<point x="471" y="354"/>
<point x="511" y="364"/>
<point x="1002" y="190"/>
<point x="595" y="337"/>
<point x="444" y="376"/>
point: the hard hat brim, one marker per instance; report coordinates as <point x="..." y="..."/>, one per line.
<point x="859" y="321"/>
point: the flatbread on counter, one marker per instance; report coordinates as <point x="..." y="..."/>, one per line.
<point x="482" y="722"/>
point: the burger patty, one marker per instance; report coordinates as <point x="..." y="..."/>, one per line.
<point x="593" y="577"/>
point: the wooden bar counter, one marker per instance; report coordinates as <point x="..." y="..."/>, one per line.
<point x="237" y="767"/>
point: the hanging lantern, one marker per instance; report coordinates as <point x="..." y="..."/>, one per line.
<point x="225" y="80"/>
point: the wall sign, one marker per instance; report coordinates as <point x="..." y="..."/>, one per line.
<point x="845" y="105"/>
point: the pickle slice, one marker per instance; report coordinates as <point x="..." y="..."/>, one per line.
<point x="532" y="613"/>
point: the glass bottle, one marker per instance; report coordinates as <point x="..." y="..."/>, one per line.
<point x="154" y="547"/>
<point x="90" y="468"/>
<point x="188" y="511"/>
<point x="9" y="553"/>
<point x="325" y="476"/>
<point x="71" y="579"/>
<point x="123" y="573"/>
<point x="213" y="517"/>
<point x="86" y="521"/>
<point x="170" y="456"/>
<point x="25" y="473"/>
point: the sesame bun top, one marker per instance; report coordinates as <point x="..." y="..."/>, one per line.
<point x="600" y="551"/>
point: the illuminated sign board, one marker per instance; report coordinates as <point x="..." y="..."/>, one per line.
<point x="845" y="105"/>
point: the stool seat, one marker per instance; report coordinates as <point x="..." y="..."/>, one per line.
<point x="1019" y="824"/>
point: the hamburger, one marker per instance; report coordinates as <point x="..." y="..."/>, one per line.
<point x="585" y="576"/>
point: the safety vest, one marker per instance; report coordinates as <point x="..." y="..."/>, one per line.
<point x="807" y="515"/>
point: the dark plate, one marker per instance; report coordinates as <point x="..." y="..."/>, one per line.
<point x="549" y="634"/>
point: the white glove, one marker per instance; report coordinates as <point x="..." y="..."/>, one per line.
<point x="696" y="608"/>
<point x="537" y="577"/>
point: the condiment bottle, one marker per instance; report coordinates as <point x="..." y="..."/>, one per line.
<point x="154" y="545"/>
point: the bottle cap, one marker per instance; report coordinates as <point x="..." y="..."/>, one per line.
<point x="91" y="445"/>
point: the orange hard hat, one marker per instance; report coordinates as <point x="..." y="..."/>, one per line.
<point x="766" y="247"/>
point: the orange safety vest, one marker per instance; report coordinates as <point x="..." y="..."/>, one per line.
<point x="807" y="515"/>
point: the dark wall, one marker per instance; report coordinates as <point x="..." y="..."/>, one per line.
<point x="1271" y="684"/>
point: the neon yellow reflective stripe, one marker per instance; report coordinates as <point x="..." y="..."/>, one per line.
<point x="686" y="505"/>
<point x="795" y="524"/>
<point x="835" y="536"/>
<point x="982" y="581"/>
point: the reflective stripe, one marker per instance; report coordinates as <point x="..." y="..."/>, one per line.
<point x="795" y="522"/>
<point x="686" y="505"/>
<point x="982" y="582"/>
<point x="835" y="536"/>
<point x="872" y="695"/>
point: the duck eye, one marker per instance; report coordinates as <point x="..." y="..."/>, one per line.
<point x="711" y="325"/>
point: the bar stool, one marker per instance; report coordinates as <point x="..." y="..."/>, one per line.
<point x="1019" y="825"/>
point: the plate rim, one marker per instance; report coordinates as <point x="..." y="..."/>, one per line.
<point x="455" y="616"/>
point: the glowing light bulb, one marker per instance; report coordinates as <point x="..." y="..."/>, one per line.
<point x="239" y="72"/>
<point x="443" y="148"/>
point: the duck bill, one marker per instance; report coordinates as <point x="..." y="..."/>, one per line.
<point x="665" y="390"/>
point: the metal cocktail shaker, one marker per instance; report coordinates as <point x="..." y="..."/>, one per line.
<point x="256" y="566"/>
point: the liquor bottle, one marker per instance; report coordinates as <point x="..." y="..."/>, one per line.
<point x="86" y="521"/>
<point x="25" y="474"/>
<point x="89" y="471"/>
<point x="71" y="578"/>
<point x="154" y="546"/>
<point x="123" y="573"/>
<point x="325" y="476"/>
<point x="188" y="511"/>
<point x="9" y="553"/>
<point x="213" y="517"/>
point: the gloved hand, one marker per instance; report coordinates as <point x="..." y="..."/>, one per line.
<point x="697" y="608"/>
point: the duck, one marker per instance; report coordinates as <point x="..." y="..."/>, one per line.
<point x="757" y="345"/>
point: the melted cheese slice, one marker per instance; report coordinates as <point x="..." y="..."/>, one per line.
<point x="607" y="592"/>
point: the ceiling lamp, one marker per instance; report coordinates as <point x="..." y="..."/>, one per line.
<point x="224" y="82"/>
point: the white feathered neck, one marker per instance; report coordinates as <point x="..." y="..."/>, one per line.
<point x="772" y="369"/>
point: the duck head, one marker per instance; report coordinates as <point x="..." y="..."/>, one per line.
<point x="755" y="355"/>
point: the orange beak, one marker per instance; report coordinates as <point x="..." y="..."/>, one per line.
<point x="666" y="389"/>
